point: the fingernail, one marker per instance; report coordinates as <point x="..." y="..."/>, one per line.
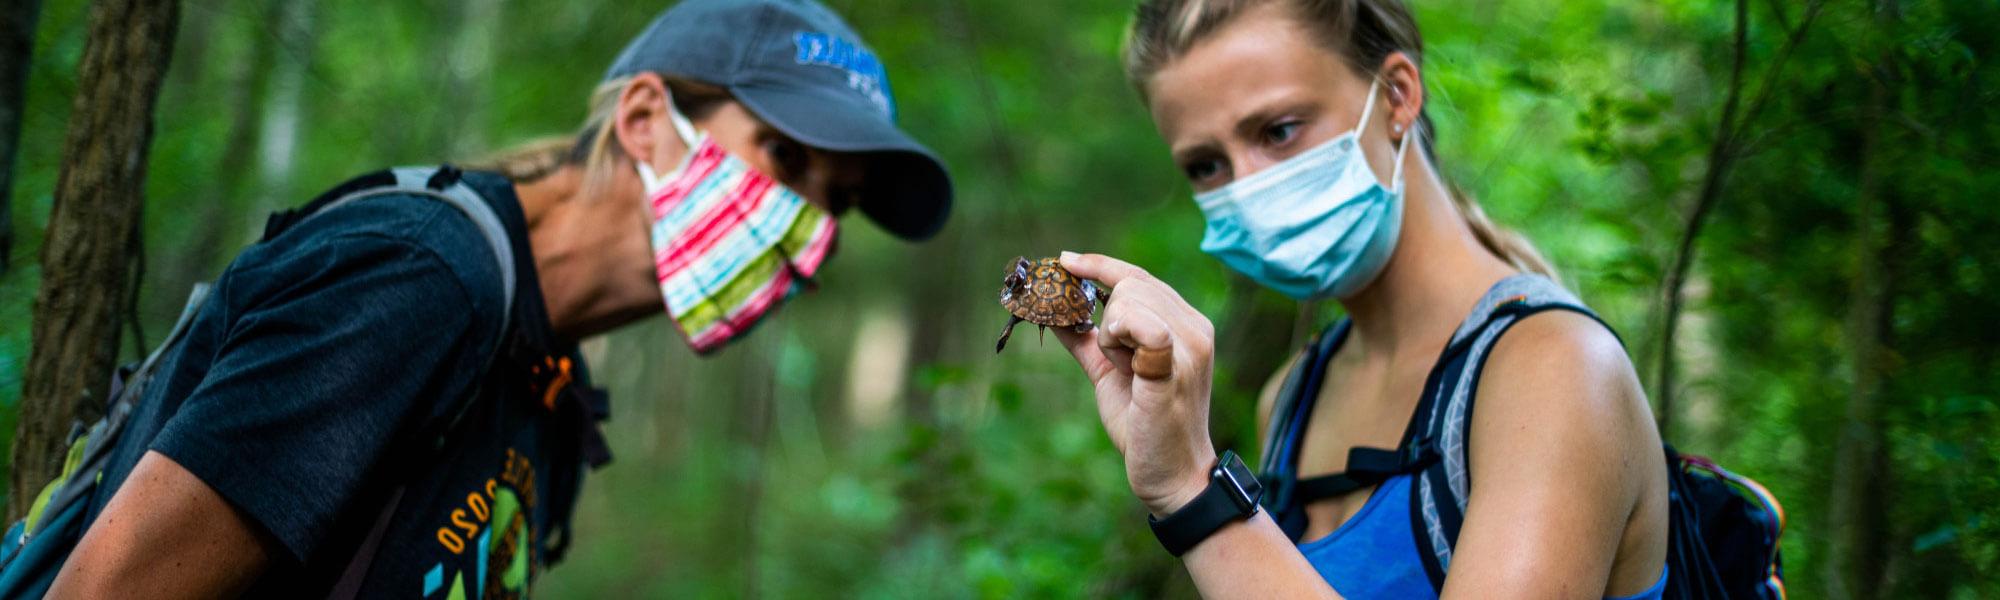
<point x="1067" y="256"/>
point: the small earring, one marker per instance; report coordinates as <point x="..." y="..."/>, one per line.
<point x="1397" y="127"/>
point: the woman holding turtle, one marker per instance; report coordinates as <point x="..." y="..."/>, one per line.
<point x="1293" y="120"/>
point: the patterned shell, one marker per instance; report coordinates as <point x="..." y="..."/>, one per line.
<point x="1044" y="293"/>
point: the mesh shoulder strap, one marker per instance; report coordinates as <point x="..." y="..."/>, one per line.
<point x="1438" y="501"/>
<point x="444" y="183"/>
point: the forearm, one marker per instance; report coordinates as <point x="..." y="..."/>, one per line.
<point x="1253" y="559"/>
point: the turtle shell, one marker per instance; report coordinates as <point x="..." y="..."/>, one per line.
<point x="1044" y="293"/>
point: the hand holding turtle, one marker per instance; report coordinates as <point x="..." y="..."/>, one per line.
<point x="1151" y="364"/>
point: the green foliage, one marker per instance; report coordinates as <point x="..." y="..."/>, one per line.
<point x="868" y="443"/>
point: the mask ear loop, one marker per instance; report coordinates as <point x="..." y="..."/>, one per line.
<point x="1367" y="108"/>
<point x="682" y="127"/>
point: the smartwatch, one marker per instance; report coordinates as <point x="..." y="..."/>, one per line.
<point x="1232" y="494"/>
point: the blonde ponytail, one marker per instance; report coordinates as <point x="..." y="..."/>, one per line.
<point x="1505" y="243"/>
<point x="530" y="161"/>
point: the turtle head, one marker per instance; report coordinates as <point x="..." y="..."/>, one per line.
<point x="1017" y="278"/>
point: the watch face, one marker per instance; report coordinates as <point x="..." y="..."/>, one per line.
<point x="1242" y="484"/>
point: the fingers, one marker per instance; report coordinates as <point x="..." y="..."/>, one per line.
<point x="1137" y="337"/>
<point x="1110" y="271"/>
<point x="1146" y="322"/>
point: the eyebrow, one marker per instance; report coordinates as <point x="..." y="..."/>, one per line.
<point x="1189" y="153"/>
<point x="1248" y="124"/>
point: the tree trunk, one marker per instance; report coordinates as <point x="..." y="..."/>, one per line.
<point x="1856" y="508"/>
<point x="17" y="49"/>
<point x="1721" y="157"/>
<point x="89" y="244"/>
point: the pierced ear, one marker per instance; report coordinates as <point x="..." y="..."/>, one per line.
<point x="1406" y="95"/>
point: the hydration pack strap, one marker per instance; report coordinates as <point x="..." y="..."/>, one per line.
<point x="443" y="183"/>
<point x="1365" y="467"/>
<point x="1440" y="494"/>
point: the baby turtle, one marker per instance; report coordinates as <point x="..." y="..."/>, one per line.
<point x="1044" y="293"/>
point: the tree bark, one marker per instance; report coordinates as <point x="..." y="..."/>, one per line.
<point x="89" y="243"/>
<point x="1857" y="548"/>
<point x="17" y="50"/>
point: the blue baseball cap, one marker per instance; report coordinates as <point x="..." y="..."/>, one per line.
<point x="800" y="67"/>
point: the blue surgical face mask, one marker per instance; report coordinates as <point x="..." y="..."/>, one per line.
<point x="1318" y="225"/>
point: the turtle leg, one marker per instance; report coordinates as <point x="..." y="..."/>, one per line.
<point x="1083" y="327"/>
<point x="1005" y="332"/>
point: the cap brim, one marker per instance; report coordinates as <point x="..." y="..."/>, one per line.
<point x="909" y="190"/>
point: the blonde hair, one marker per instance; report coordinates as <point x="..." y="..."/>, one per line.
<point x="594" y="147"/>
<point x="1362" y="32"/>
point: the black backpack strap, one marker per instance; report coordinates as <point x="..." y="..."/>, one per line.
<point x="1438" y="501"/>
<point x="1277" y="468"/>
<point x="1365" y="467"/>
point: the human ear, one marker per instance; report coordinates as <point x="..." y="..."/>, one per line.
<point x="637" y="119"/>
<point x="1406" y="93"/>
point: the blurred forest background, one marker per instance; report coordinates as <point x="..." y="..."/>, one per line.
<point x="1811" y="183"/>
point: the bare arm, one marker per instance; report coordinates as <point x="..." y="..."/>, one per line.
<point x="1253" y="559"/>
<point x="1561" y="446"/>
<point x="165" y="534"/>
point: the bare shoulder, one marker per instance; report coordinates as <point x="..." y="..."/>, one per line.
<point x="1559" y="386"/>
<point x="1559" y="354"/>
<point x="1565" y="463"/>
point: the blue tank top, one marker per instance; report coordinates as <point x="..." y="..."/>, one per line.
<point x="1375" y="553"/>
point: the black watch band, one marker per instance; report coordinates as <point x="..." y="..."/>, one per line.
<point x="1232" y="494"/>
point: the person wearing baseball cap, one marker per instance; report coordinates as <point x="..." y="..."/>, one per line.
<point x="383" y="396"/>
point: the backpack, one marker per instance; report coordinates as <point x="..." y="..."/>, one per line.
<point x="34" y="549"/>
<point x="1723" y="528"/>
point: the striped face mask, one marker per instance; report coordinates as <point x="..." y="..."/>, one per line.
<point x="729" y="243"/>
